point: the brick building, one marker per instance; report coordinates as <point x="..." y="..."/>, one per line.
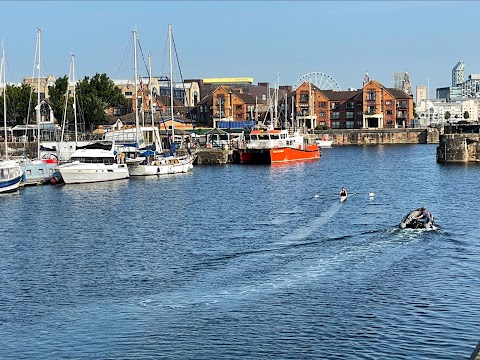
<point x="373" y="106"/>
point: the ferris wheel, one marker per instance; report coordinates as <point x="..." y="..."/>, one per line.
<point x="321" y="80"/>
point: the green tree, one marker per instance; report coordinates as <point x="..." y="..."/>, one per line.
<point x="57" y="99"/>
<point x="447" y="115"/>
<point x="466" y="115"/>
<point x="18" y="99"/>
<point x="95" y="95"/>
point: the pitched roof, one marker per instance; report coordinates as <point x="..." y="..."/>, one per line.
<point x="398" y="94"/>
<point x="340" y="95"/>
<point x="205" y="100"/>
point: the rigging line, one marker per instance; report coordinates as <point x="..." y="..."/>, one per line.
<point x="181" y="76"/>
<point x="81" y="118"/>
<point x="165" y="52"/>
<point x="27" y="119"/>
<point x="143" y="57"/>
<point x="123" y="62"/>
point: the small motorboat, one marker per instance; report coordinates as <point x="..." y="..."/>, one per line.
<point x="410" y="221"/>
<point x="343" y="198"/>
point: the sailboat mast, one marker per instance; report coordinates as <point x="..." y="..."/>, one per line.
<point x="135" y="71"/>
<point x="294" y="121"/>
<point x="74" y="100"/>
<point x="4" y="82"/>
<point x="38" y="93"/>
<point x="64" y="121"/>
<point x="151" y="87"/>
<point x="171" y="79"/>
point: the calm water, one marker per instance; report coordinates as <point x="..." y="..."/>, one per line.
<point x="247" y="261"/>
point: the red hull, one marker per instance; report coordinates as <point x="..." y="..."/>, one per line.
<point x="286" y="154"/>
<point x="279" y="155"/>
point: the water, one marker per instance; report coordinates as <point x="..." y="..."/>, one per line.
<point x="247" y="261"/>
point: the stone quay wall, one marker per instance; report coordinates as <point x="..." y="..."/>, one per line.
<point x="459" y="148"/>
<point x="380" y="136"/>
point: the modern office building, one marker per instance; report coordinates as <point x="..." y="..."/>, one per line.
<point x="458" y="74"/>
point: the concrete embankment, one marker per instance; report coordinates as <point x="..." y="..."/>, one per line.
<point x="340" y="138"/>
<point x="459" y="148"/>
<point x="381" y="136"/>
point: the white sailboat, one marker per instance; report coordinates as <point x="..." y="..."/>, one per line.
<point x="154" y="162"/>
<point x="10" y="171"/>
<point x="37" y="171"/>
<point x="62" y="150"/>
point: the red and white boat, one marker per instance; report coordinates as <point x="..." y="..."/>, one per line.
<point x="276" y="146"/>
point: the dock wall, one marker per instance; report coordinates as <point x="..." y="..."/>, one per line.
<point x="381" y="136"/>
<point x="459" y="148"/>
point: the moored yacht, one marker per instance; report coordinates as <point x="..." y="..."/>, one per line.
<point x="276" y="146"/>
<point x="10" y="176"/>
<point x="94" y="163"/>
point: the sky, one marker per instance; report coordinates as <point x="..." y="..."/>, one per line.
<point x="270" y="41"/>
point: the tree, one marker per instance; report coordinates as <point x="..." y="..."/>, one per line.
<point x="18" y="99"/>
<point x="57" y="94"/>
<point x="466" y="115"/>
<point x="95" y="95"/>
<point x="447" y="115"/>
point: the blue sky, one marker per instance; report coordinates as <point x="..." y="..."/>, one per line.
<point x="258" y="39"/>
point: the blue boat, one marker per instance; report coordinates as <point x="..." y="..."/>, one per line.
<point x="10" y="176"/>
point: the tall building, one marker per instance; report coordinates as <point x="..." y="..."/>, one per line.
<point x="398" y="78"/>
<point x="458" y="74"/>
<point x="401" y="81"/>
<point x="421" y="93"/>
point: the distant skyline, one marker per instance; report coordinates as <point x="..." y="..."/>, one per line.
<point x="258" y="39"/>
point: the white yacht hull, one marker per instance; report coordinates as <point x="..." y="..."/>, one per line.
<point x="324" y="143"/>
<point x="165" y="166"/>
<point x="10" y="176"/>
<point x="6" y="188"/>
<point x="77" y="173"/>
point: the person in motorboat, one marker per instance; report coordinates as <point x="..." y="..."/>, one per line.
<point x="418" y="218"/>
<point x="343" y="192"/>
<point x="424" y="216"/>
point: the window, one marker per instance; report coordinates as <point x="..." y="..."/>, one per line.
<point x="389" y="112"/>
<point x="335" y="105"/>
<point x="350" y="124"/>
<point x="335" y="124"/>
<point x="350" y="104"/>
<point x="128" y="93"/>
<point x="323" y="114"/>
<point x="349" y="114"/>
<point x="335" y="115"/>
<point x="322" y="104"/>
<point x="402" y="104"/>
<point x="371" y="95"/>
<point x="388" y="102"/>
<point x="304" y="97"/>
<point x="359" y="113"/>
<point x="195" y="98"/>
